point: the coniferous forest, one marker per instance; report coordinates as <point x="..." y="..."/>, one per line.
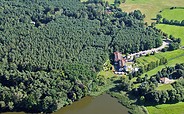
<point x="52" y="50"/>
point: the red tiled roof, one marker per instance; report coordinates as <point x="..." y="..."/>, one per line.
<point x="117" y="56"/>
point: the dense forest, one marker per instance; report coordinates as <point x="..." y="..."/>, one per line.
<point x="51" y="50"/>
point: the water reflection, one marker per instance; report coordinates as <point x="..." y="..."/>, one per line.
<point x="103" y="104"/>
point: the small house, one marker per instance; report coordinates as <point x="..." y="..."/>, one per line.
<point x="166" y="80"/>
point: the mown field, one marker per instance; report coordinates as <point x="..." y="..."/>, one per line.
<point x="172" y="57"/>
<point x="150" y="7"/>
<point x="167" y="109"/>
<point x="107" y="74"/>
<point x="174" y="14"/>
<point x="176" y="31"/>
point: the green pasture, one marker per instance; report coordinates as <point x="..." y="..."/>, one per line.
<point x="174" y="14"/>
<point x="177" y="108"/>
<point x="172" y="57"/>
<point x="176" y="31"/>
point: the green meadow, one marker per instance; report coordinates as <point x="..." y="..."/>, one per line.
<point x="176" y="31"/>
<point x="177" y="108"/>
<point x="172" y="57"/>
<point x="174" y="14"/>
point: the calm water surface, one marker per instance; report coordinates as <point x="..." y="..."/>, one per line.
<point x="103" y="104"/>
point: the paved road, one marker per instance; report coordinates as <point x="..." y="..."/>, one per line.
<point x="164" y="44"/>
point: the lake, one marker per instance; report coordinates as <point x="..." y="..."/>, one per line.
<point x="103" y="104"/>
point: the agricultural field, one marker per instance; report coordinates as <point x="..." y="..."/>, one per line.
<point x="174" y="14"/>
<point x="172" y="57"/>
<point x="176" y="31"/>
<point x="167" y="109"/>
<point x="150" y="7"/>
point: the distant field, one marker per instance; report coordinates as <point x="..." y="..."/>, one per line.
<point x="173" y="57"/>
<point x="174" y="14"/>
<point x="177" y="108"/>
<point x="176" y="31"/>
<point x="150" y="7"/>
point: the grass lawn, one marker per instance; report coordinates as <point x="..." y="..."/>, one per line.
<point x="164" y="87"/>
<point x="172" y="54"/>
<point x="175" y="14"/>
<point x="176" y="31"/>
<point x="150" y="7"/>
<point x="177" y="108"/>
<point x="107" y="74"/>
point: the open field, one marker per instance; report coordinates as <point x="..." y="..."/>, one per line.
<point x="174" y="14"/>
<point x="172" y="54"/>
<point x="170" y="63"/>
<point x="167" y="109"/>
<point x="176" y="31"/>
<point x="150" y="7"/>
<point x="153" y="58"/>
<point x="173" y="57"/>
<point x="164" y="87"/>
